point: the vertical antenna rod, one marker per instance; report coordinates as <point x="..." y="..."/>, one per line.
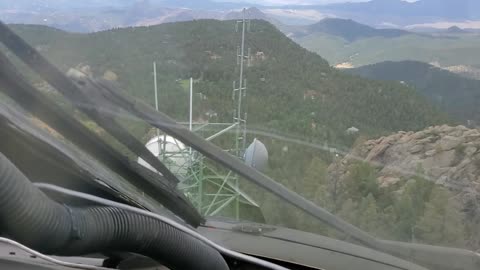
<point x="190" y="121"/>
<point x="238" y="118"/>
<point x="161" y="145"/>
<point x="241" y="88"/>
<point x="191" y="105"/>
<point x="155" y="84"/>
<point x="156" y="101"/>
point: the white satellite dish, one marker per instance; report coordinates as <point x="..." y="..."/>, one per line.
<point x="256" y="155"/>
<point x="172" y="152"/>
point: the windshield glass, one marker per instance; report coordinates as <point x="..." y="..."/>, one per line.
<point x="368" y="109"/>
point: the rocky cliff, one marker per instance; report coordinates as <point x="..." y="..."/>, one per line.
<point x="448" y="156"/>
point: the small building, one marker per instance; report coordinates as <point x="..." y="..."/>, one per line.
<point x="352" y="131"/>
<point x="260" y="56"/>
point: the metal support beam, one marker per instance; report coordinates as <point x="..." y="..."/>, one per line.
<point x="221" y="132"/>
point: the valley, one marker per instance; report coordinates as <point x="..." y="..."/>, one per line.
<point x="348" y="42"/>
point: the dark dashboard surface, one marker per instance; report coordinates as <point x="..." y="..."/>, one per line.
<point x="16" y="259"/>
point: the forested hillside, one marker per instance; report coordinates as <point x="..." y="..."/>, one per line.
<point x="455" y="94"/>
<point x="298" y="105"/>
<point x="419" y="187"/>
<point x="290" y="89"/>
<point x="412" y="186"/>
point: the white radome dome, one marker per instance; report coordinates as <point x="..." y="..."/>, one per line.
<point x="176" y="154"/>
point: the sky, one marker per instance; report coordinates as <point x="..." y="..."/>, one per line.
<point x="297" y="2"/>
<point x="293" y="2"/>
<point x="290" y="2"/>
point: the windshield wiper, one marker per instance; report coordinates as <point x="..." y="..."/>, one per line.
<point x="18" y="88"/>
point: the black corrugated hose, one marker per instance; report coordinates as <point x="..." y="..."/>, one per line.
<point x="28" y="216"/>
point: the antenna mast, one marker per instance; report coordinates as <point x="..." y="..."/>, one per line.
<point x="240" y="118"/>
<point x="212" y="190"/>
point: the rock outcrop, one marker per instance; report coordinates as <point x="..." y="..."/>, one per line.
<point x="110" y="76"/>
<point x="448" y="156"/>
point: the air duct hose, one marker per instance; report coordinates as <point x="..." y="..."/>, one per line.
<point x="28" y="216"/>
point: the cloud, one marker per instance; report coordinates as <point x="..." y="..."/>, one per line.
<point x="447" y="24"/>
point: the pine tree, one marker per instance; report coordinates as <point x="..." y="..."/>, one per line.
<point x="405" y="217"/>
<point x="442" y="221"/>
<point x="368" y="214"/>
<point x="409" y="207"/>
<point x="315" y="178"/>
<point x="349" y="211"/>
<point x="387" y="223"/>
<point x="361" y="181"/>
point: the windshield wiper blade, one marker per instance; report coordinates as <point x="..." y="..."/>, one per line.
<point x="95" y="109"/>
<point x="83" y="98"/>
<point x="18" y="88"/>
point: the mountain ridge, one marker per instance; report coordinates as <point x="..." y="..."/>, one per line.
<point x="348" y="43"/>
<point x="447" y="9"/>
<point x="351" y="30"/>
<point x="281" y="70"/>
<point x="138" y="13"/>
<point x="401" y="13"/>
<point x="457" y="95"/>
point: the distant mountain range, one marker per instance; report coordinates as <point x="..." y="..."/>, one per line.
<point x="396" y="13"/>
<point x="446" y="9"/>
<point x="250" y="13"/>
<point x="347" y="44"/>
<point x="29" y="5"/>
<point x="346" y="29"/>
<point x="39" y="5"/>
<point x="455" y="94"/>
<point x="402" y="13"/>
<point x="456" y="30"/>
<point x="94" y="15"/>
